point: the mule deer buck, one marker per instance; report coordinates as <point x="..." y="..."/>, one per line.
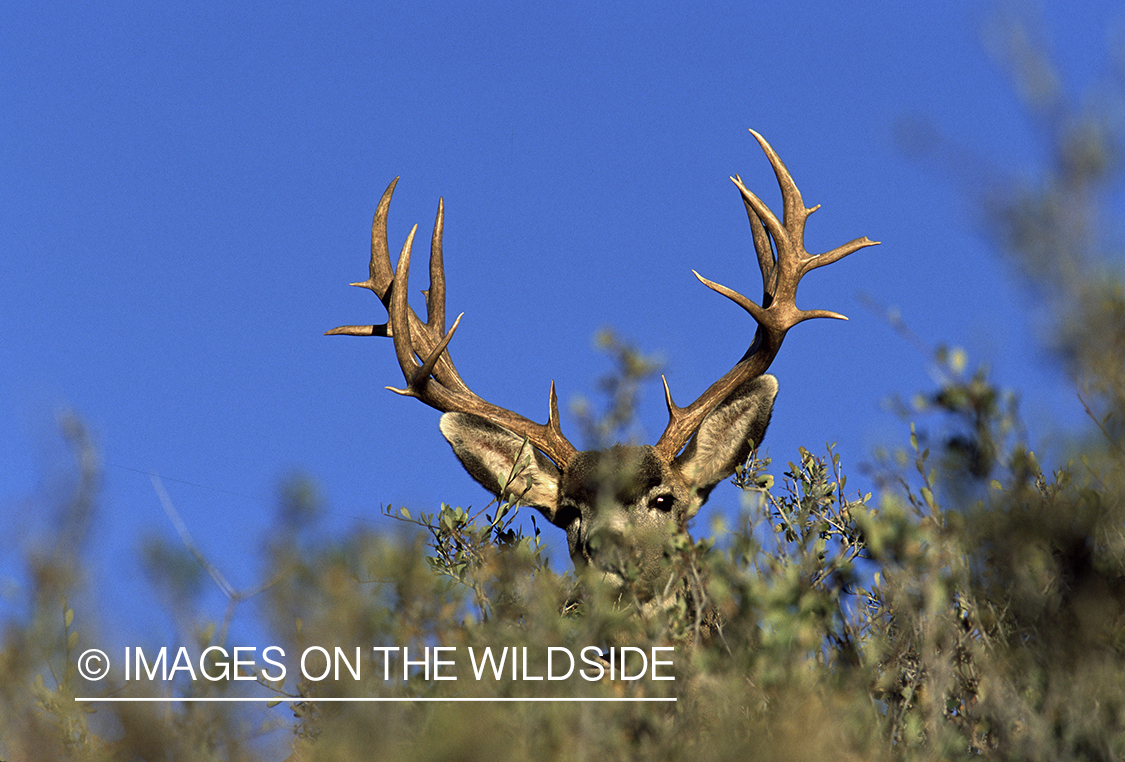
<point x="619" y="506"/>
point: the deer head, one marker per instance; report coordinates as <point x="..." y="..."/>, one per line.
<point x="619" y="506"/>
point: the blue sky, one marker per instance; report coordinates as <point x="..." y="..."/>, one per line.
<point x="188" y="190"/>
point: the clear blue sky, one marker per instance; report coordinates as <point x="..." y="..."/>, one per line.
<point x="188" y="190"/>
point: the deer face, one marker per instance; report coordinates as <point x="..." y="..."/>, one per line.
<point x="619" y="506"/>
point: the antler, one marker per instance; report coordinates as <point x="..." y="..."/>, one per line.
<point x="778" y="312"/>
<point x="421" y="346"/>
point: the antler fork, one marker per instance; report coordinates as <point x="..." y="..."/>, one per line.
<point x="421" y="347"/>
<point x="781" y="273"/>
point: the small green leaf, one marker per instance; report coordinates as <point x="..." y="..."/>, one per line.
<point x="928" y="496"/>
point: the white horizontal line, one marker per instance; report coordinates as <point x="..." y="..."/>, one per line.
<point x="173" y="699"/>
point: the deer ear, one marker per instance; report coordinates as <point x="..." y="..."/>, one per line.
<point x="503" y="462"/>
<point x="726" y="436"/>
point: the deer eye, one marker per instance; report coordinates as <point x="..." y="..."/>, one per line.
<point x="662" y="503"/>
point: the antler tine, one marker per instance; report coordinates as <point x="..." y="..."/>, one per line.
<point x="435" y="296"/>
<point x="400" y="323"/>
<point x="758" y="313"/>
<point x="427" y="368"/>
<point x="380" y="275"/>
<point x="782" y="258"/>
<point x="767" y="261"/>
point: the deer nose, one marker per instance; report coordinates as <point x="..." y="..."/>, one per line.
<point x="608" y="547"/>
<point x="605" y="539"/>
